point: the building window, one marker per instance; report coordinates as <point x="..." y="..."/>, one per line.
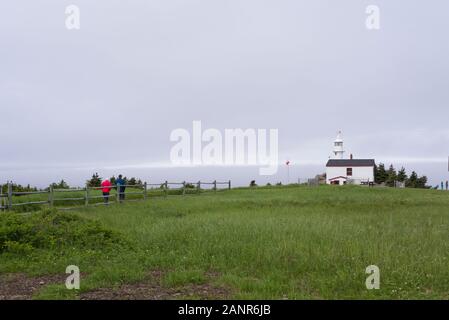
<point x="349" y="172"/>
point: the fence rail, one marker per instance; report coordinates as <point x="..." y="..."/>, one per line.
<point x="28" y="203"/>
<point x="90" y="194"/>
<point x="28" y="193"/>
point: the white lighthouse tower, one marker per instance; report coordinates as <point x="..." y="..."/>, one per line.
<point x="338" y="147"/>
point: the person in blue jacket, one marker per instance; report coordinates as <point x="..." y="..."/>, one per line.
<point x="121" y="186"/>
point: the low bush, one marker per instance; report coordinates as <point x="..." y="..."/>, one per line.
<point x="52" y="229"/>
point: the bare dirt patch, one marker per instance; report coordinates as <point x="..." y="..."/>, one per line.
<point x="151" y="289"/>
<point x="19" y="286"/>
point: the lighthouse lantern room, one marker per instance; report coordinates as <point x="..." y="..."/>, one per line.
<point x="338" y="147"/>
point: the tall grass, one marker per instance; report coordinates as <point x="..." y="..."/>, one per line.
<point x="281" y="242"/>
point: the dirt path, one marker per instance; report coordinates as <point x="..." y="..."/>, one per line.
<point x="19" y="286"/>
<point x="22" y="287"/>
<point x="151" y="289"/>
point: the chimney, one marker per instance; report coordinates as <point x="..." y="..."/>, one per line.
<point x="350" y="156"/>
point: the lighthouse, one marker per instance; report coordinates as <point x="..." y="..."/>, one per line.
<point x="341" y="171"/>
<point x="338" y="147"/>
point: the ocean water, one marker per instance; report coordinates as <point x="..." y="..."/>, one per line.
<point x="239" y="175"/>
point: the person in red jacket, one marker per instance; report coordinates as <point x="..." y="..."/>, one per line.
<point x="106" y="187"/>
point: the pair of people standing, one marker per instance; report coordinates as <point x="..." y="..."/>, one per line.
<point x="106" y="187"/>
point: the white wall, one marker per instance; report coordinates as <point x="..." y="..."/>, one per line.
<point x="358" y="173"/>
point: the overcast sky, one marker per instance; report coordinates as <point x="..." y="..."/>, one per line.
<point x="107" y="96"/>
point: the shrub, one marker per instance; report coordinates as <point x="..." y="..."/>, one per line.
<point x="52" y="229"/>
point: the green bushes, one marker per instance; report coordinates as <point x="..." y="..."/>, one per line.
<point x="28" y="208"/>
<point x="50" y="229"/>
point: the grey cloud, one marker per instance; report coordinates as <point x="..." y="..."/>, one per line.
<point x="110" y="93"/>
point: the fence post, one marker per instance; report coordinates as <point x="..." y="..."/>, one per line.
<point x="145" y="191"/>
<point x="229" y="184"/>
<point x="183" y="188"/>
<point x="166" y="188"/>
<point x="9" y="195"/>
<point x="198" y="187"/>
<point x="215" y="185"/>
<point x="118" y="192"/>
<point x="50" y="196"/>
<point x="86" y="196"/>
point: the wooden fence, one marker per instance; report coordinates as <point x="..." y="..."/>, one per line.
<point x="93" y="195"/>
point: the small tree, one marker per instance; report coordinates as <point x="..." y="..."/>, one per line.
<point x="402" y="175"/>
<point x="61" y="185"/>
<point x="95" y="181"/>
<point x="380" y="174"/>
<point x="391" y="176"/>
<point x="421" y="182"/>
<point x="411" y="182"/>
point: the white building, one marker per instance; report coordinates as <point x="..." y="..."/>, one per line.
<point x="352" y="171"/>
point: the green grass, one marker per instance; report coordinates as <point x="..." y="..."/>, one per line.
<point x="69" y="199"/>
<point x="266" y="243"/>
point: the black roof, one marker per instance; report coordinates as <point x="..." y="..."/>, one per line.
<point x="351" y="163"/>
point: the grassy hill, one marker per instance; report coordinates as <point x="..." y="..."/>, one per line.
<point x="260" y="243"/>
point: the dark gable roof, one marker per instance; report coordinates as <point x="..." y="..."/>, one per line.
<point x="350" y="163"/>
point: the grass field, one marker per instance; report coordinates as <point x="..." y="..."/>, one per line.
<point x="69" y="198"/>
<point x="259" y="243"/>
